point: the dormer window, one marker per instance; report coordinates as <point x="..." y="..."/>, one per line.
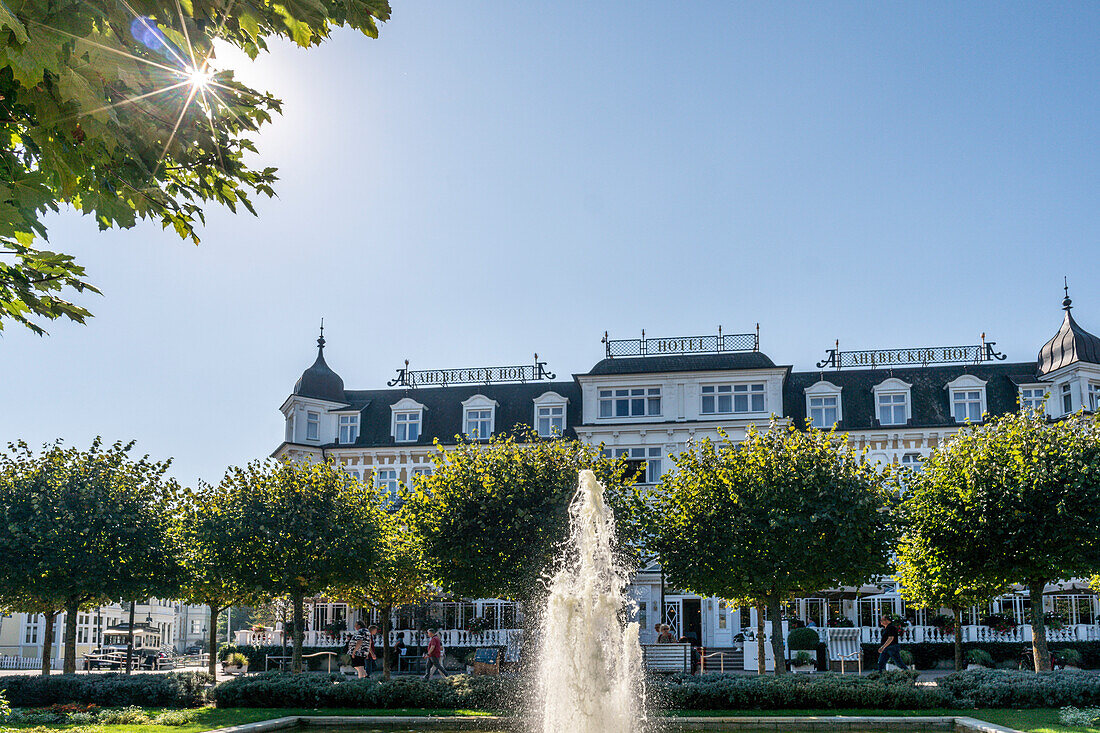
<point x="823" y="404"/>
<point x="406" y="423"/>
<point x="478" y="417"/>
<point x="349" y="429"/>
<point x="630" y="402"/>
<point x="892" y="402"/>
<point x="726" y="399"/>
<point x="1067" y="398"/>
<point x="550" y="414"/>
<point x="313" y="425"/>
<point x="1033" y="398"/>
<point x="967" y="398"/>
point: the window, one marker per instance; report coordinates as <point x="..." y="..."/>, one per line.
<point x="893" y="408"/>
<point x="645" y="462"/>
<point x="289" y="428"/>
<point x="630" y="402"/>
<point x="349" y="429"/>
<point x="824" y="411"/>
<point x="913" y="461"/>
<point x="479" y="424"/>
<point x="551" y="420"/>
<point x="386" y="479"/>
<point x="195" y="628"/>
<point x="1032" y="398"/>
<point x="406" y="427"/>
<point x="967" y="405"/>
<point x="1067" y="398"/>
<point x="419" y="471"/>
<point x="1094" y="396"/>
<point x="31" y="633"/>
<point x="313" y="425"/>
<point x="723" y="399"/>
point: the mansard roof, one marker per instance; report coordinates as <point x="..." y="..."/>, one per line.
<point x="1070" y="345"/>
<point x="682" y="363"/>
<point x="929" y="399"/>
<point x="442" y="417"/>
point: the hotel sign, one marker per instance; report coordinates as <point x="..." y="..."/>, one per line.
<point x="472" y="375"/>
<point x="921" y="356"/>
<point x="678" y="345"/>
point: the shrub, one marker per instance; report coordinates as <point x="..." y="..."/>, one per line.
<point x="129" y="715"/>
<point x="987" y="688"/>
<point x="171" y="690"/>
<point x="804" y="638"/>
<point x="1071" y="657"/>
<point x="979" y="656"/>
<point x="907" y="657"/>
<point x="175" y="717"/>
<point x="5" y="709"/>
<point x="236" y="659"/>
<point x="803" y="658"/>
<point x="1074" y="718"/>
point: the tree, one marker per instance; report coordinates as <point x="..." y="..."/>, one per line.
<point x="121" y="115"/>
<point x="1020" y="498"/>
<point x="212" y="576"/>
<point x="298" y="529"/>
<point x="492" y="514"/>
<point x="782" y="513"/>
<point x="398" y="577"/>
<point x="935" y="563"/>
<point x="96" y="523"/>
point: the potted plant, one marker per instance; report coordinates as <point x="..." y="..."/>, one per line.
<point x="978" y="659"/>
<point x="345" y="664"/>
<point x="479" y="625"/>
<point x="803" y="661"/>
<point x="335" y="628"/>
<point x="836" y="621"/>
<point x="235" y="663"/>
<point x="1000" y="623"/>
<point x="908" y="658"/>
<point x="1071" y="658"/>
<point x="259" y="628"/>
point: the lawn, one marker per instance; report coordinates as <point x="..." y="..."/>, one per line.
<point x="1031" y="721"/>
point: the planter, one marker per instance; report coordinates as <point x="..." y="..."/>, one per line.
<point x="975" y="666"/>
<point x="234" y="669"/>
<point x="347" y="669"/>
<point x="802" y="668"/>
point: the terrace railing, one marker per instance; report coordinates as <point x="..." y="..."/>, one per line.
<point x="1020" y="635"/>
<point x="450" y="637"/>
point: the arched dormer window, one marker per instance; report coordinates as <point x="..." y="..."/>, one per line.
<point x="893" y="405"/>
<point x="479" y="417"/>
<point x="823" y="405"/>
<point x="966" y="394"/>
<point x="406" y="420"/>
<point x="550" y="414"/>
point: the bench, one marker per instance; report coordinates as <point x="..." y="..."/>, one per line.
<point x="667" y="657"/>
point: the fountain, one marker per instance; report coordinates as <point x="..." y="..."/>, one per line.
<point x="590" y="677"/>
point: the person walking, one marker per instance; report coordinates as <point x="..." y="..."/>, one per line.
<point x="434" y="656"/>
<point x="890" y="650"/>
<point x="361" y="650"/>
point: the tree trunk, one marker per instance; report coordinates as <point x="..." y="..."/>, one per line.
<point x="212" y="640"/>
<point x="71" y="610"/>
<point x="761" y="663"/>
<point x="387" y="610"/>
<point x="298" y="598"/>
<point x="958" y="638"/>
<point x="129" y="640"/>
<point x="47" y="643"/>
<point x="1040" y="653"/>
<point x="775" y="612"/>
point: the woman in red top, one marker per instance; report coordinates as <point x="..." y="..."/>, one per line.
<point x="434" y="656"/>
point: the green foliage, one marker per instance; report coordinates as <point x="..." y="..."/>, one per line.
<point x="171" y="690"/>
<point x="804" y="638"/>
<point x="979" y="656"/>
<point x="94" y="118"/>
<point x="5" y="708"/>
<point x="492" y="514"/>
<point x="236" y="659"/>
<point x="1071" y="657"/>
<point x="803" y="658"/>
<point x="988" y="688"/>
<point x="907" y="657"/>
<point x="784" y="512"/>
<point x="1072" y="717"/>
<point x="280" y="690"/>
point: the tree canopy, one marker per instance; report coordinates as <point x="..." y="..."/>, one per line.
<point x="299" y="529"/>
<point x="783" y="512"/>
<point x="1019" y="497"/>
<point x="492" y="514"/>
<point x="114" y="108"/>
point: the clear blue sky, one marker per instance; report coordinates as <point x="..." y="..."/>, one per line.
<point x="487" y="180"/>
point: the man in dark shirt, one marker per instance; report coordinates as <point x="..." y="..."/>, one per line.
<point x="890" y="651"/>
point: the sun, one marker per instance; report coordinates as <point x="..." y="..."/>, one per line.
<point x="198" y="78"/>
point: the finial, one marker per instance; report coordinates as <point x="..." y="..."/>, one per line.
<point x="1066" y="303"/>
<point x="321" y="340"/>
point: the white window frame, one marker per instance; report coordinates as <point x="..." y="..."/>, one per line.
<point x="820" y="391"/>
<point x="406" y="426"/>
<point x="289" y="436"/>
<point x="418" y="471"/>
<point x="479" y="404"/>
<point x="893" y="387"/>
<point x="550" y="401"/>
<point x="388" y="484"/>
<point x="733" y="391"/>
<point x="609" y="399"/>
<point x="969" y="390"/>
<point x="651" y="454"/>
<point x="1028" y="401"/>
<point x="313" y="420"/>
<point x="407" y="408"/>
<point x="1067" y="398"/>
<point x="1094" y="396"/>
<point x="351" y="423"/>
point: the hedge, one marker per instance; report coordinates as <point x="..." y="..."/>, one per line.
<point x="285" y="690"/>
<point x="171" y="690"/>
<point x="989" y="688"/>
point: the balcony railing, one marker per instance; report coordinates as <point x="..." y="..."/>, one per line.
<point x="1020" y="635"/>
<point x="509" y="638"/>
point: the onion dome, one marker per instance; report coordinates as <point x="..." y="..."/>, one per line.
<point x="319" y="381"/>
<point x="1070" y="345"/>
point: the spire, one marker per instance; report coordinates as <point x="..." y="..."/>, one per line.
<point x="321" y="340"/>
<point x="1071" y="344"/>
<point x="319" y="380"/>
<point x="1067" y="304"/>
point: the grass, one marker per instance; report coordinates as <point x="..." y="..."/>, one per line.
<point x="1044" y="720"/>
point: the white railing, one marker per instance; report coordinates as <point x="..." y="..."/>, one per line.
<point x="450" y="638"/>
<point x="1021" y="634"/>
<point x="7" y="662"/>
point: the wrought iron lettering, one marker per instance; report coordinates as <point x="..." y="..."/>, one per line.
<point x="678" y="345"/>
<point x="922" y="356"/>
<point x="473" y="375"/>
